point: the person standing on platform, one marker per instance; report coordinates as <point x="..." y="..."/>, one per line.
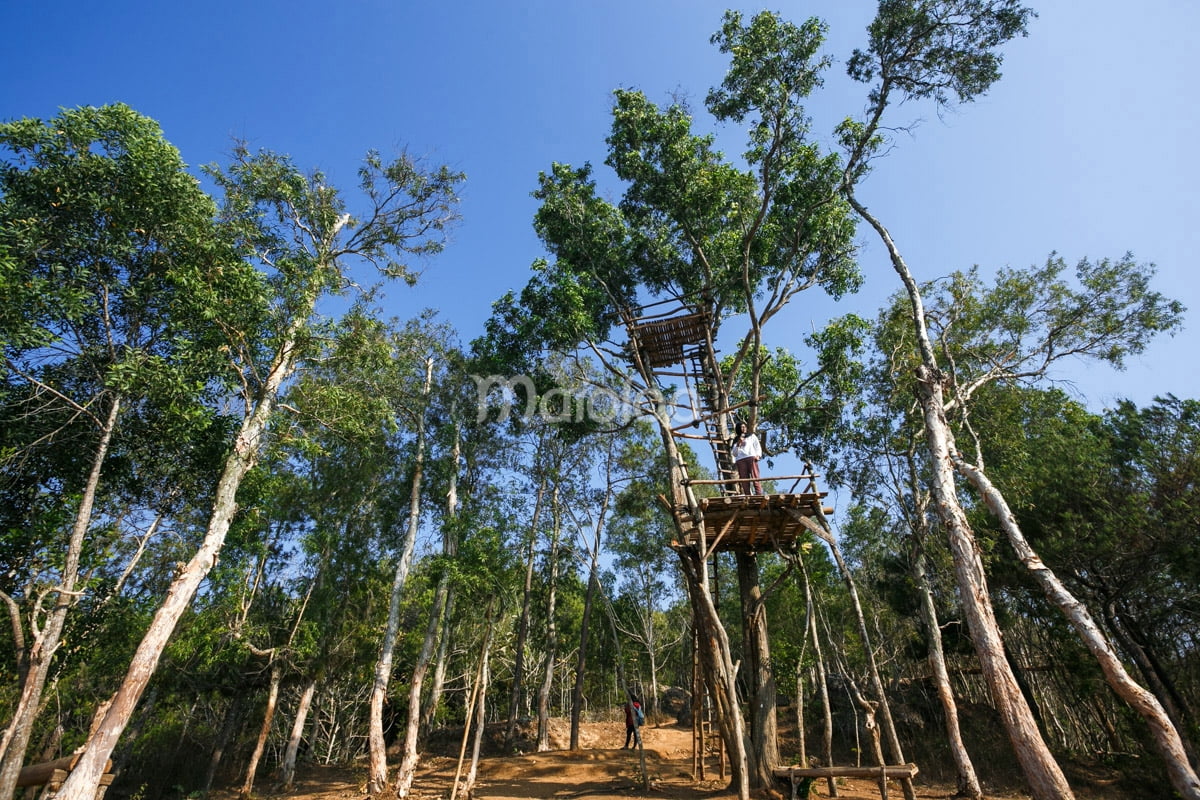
<point x="746" y="451"/>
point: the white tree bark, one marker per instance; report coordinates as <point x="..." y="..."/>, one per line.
<point x="260" y="744"/>
<point x="84" y="779"/>
<point x="411" y="754"/>
<point x="287" y="771"/>
<point x="1045" y="777"/>
<point x="1166" y="738"/>
<point x="47" y="638"/>
<point x="543" y="735"/>
<point x="377" y="780"/>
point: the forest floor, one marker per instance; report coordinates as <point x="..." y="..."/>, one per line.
<point x="601" y="770"/>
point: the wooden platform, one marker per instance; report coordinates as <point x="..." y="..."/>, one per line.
<point x="663" y="340"/>
<point x="755" y="522"/>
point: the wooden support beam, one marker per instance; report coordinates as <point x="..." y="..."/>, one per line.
<point x="764" y="479"/>
<point x="712" y="414"/>
<point x="890" y="771"/>
<point x="41" y="774"/>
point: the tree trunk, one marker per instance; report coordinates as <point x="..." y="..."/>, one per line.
<point x="85" y="777"/>
<point x="1045" y="777"/>
<point x="588" y="602"/>
<point x="757" y="649"/>
<point x="967" y="780"/>
<point x="36" y="665"/>
<point x="233" y="717"/>
<point x="1157" y="679"/>
<point x="479" y="713"/>
<point x="261" y="743"/>
<point x="822" y="683"/>
<point x="517" y="697"/>
<point x="581" y="655"/>
<point x="543" y="735"/>
<point x="716" y="661"/>
<point x="437" y="685"/>
<point x="880" y="705"/>
<point x="287" y="771"/>
<point x="411" y="751"/>
<point x="1166" y="739"/>
<point x="716" y="658"/>
<point x="376" y="747"/>
<point x="450" y="549"/>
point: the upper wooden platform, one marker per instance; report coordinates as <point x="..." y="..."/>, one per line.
<point x="663" y="341"/>
<point x="758" y="522"/>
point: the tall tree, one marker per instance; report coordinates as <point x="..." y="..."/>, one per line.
<point x="297" y="229"/>
<point x="939" y="49"/>
<point x="114" y="279"/>
<point x="720" y="239"/>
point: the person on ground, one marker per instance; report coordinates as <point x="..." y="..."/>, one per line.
<point x="634" y="717"/>
<point x="746" y="451"/>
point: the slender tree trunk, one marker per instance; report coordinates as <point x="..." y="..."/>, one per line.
<point x="716" y="658"/>
<point x="869" y="708"/>
<point x="581" y="655"/>
<point x="480" y="708"/>
<point x="801" y="735"/>
<point x="287" y="772"/>
<point x="1157" y="680"/>
<point x="411" y="751"/>
<point x="376" y="747"/>
<point x="543" y="736"/>
<point x="450" y="549"/>
<point x="437" y="685"/>
<point x="35" y="667"/>
<point x="229" y="726"/>
<point x="260" y="744"/>
<point x="967" y="780"/>
<point x="1166" y="739"/>
<point x="517" y="697"/>
<point x="810" y="610"/>
<point x="719" y="672"/>
<point x="588" y="602"/>
<point x="880" y="704"/>
<point x="437" y="615"/>
<point x="1045" y="777"/>
<point x="85" y="776"/>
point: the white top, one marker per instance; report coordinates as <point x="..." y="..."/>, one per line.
<point x="748" y="448"/>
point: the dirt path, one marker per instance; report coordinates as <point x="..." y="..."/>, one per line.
<point x="599" y="770"/>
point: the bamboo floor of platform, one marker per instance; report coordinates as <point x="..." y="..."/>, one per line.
<point x="755" y="522"/>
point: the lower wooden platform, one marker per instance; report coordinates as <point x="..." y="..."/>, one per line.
<point x="756" y="522"/>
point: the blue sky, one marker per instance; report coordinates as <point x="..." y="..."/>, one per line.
<point x="1085" y="147"/>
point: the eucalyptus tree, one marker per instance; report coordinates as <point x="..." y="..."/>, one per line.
<point x="341" y="439"/>
<point x="468" y="450"/>
<point x="1107" y="501"/>
<point x="1011" y="332"/>
<point x="114" y="279"/>
<point x="635" y="535"/>
<point x="938" y="50"/>
<point x="428" y="344"/>
<point x="296" y="229"/>
<point x="873" y="449"/>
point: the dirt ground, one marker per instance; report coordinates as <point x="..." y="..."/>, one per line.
<point x="599" y="770"/>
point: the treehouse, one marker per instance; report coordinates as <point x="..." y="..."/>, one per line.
<point x="677" y="344"/>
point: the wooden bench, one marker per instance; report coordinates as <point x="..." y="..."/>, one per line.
<point x="51" y="774"/>
<point x="801" y="778"/>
